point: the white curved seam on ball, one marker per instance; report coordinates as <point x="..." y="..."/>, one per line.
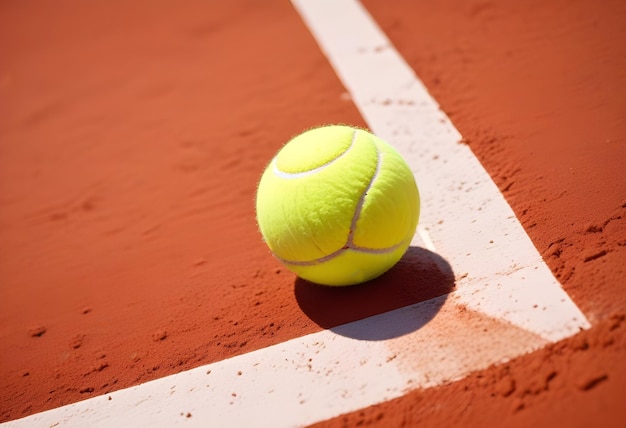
<point x="359" y="205"/>
<point x="375" y="250"/>
<point x="315" y="261"/>
<point x="294" y="175"/>
<point x="338" y="252"/>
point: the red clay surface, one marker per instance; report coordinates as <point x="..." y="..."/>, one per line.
<point x="132" y="136"/>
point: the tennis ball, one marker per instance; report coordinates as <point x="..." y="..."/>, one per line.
<point x="337" y="205"/>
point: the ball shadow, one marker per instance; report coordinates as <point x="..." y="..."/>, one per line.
<point x="420" y="276"/>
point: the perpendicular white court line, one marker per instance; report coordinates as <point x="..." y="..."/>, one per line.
<point x="464" y="214"/>
<point x="506" y="300"/>
<point x="307" y="379"/>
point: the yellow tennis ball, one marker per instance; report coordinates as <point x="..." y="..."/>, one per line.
<point x="337" y="205"/>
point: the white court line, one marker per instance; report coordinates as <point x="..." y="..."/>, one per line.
<point x="500" y="276"/>
<point x="464" y="215"/>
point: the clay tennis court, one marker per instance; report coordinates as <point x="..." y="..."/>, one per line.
<point x="132" y="139"/>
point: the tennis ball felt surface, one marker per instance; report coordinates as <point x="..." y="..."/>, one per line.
<point x="337" y="205"/>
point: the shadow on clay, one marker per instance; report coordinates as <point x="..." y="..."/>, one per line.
<point x="420" y="276"/>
